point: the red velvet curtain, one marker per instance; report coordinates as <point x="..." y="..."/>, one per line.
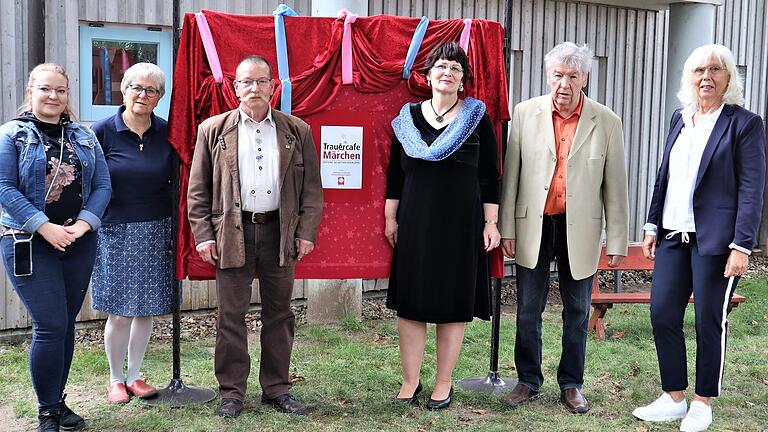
<point x="351" y="242"/>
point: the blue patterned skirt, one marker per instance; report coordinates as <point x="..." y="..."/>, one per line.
<point x="133" y="274"/>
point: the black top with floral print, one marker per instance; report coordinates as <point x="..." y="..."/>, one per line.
<point x="65" y="199"/>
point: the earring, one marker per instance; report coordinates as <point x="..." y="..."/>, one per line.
<point x="429" y="82"/>
<point x="461" y="87"/>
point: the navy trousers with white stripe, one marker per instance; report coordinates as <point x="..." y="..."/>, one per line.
<point x="678" y="271"/>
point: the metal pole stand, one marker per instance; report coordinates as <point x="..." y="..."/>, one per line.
<point x="177" y="394"/>
<point x="492" y="383"/>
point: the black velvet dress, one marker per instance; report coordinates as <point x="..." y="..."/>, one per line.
<point x="439" y="267"/>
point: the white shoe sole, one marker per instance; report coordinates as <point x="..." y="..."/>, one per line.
<point x="659" y="419"/>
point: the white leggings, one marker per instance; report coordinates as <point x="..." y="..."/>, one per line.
<point x="126" y="335"/>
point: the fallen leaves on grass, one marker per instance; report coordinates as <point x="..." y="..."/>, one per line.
<point x="297" y="378"/>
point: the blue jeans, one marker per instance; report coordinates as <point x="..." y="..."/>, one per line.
<point x="53" y="295"/>
<point x="532" y="290"/>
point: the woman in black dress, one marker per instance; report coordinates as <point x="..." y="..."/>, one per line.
<point x="440" y="212"/>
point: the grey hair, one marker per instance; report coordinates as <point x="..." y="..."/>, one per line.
<point x="734" y="93"/>
<point x="571" y="55"/>
<point x="144" y="70"/>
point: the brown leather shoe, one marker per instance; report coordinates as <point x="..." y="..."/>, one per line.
<point x="574" y="401"/>
<point x="520" y="394"/>
<point x="229" y="408"/>
<point x="286" y="403"/>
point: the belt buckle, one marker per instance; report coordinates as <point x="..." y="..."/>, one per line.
<point x="258" y="218"/>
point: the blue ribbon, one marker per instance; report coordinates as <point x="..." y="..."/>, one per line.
<point x="282" y="56"/>
<point x="104" y="60"/>
<point x="418" y="37"/>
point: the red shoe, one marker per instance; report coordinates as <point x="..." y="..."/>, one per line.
<point x="141" y="389"/>
<point x="117" y="394"/>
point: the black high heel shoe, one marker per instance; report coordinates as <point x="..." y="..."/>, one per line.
<point x="434" y="405"/>
<point x="409" y="400"/>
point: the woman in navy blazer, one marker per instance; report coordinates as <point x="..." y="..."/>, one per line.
<point x="702" y="225"/>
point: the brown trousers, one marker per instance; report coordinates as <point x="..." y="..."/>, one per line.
<point x="232" y="362"/>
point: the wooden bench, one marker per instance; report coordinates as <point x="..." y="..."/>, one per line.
<point x="602" y="301"/>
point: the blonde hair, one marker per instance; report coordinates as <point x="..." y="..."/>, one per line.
<point x="45" y="67"/>
<point x="734" y="93"/>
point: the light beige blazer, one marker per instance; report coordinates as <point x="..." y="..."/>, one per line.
<point x="596" y="184"/>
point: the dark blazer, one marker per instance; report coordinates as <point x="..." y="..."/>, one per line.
<point x="728" y="194"/>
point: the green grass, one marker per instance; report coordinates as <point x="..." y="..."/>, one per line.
<point x="351" y="371"/>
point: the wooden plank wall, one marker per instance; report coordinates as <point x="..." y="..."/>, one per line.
<point x="14" y="55"/>
<point x="742" y="25"/>
<point x="62" y="19"/>
<point x="630" y="46"/>
<point x="627" y="76"/>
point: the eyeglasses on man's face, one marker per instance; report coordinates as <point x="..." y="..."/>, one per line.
<point x="150" y="91"/>
<point x="46" y="90"/>
<point x="262" y="83"/>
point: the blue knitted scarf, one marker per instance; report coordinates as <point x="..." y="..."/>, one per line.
<point x="449" y="141"/>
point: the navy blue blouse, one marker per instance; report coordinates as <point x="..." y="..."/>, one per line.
<point x="140" y="168"/>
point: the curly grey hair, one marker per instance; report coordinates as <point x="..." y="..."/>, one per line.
<point x="571" y="55"/>
<point x="734" y="93"/>
<point x="144" y="70"/>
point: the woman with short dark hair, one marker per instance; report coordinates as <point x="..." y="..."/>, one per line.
<point x="440" y="215"/>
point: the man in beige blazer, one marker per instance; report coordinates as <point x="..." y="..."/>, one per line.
<point x="254" y="202"/>
<point x="563" y="174"/>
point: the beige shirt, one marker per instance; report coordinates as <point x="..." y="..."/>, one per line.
<point x="258" y="162"/>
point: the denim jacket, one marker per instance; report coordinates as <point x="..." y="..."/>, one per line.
<point x="22" y="175"/>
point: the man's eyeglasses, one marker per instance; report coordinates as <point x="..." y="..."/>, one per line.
<point x="443" y="68"/>
<point x="262" y="83"/>
<point x="151" y="92"/>
<point x="60" y="92"/>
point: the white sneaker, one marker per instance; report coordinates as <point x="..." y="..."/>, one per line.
<point x="663" y="409"/>
<point x="698" y="419"/>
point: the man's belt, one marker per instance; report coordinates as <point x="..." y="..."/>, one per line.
<point x="261" y="218"/>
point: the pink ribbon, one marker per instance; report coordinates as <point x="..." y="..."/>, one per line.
<point x="210" y="47"/>
<point x="464" y="39"/>
<point x="346" y="45"/>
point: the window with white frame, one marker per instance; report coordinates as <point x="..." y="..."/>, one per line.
<point x="106" y="53"/>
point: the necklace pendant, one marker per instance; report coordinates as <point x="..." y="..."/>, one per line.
<point x="439" y="119"/>
<point x="141" y="147"/>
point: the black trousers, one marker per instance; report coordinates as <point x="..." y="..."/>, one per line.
<point x="532" y="290"/>
<point x="680" y="270"/>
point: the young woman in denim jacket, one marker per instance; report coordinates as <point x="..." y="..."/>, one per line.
<point x="54" y="187"/>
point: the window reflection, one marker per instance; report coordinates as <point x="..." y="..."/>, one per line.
<point x="110" y="61"/>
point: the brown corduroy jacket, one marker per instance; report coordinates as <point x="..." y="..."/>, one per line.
<point x="213" y="196"/>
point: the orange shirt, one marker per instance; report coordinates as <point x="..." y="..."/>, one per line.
<point x="565" y="130"/>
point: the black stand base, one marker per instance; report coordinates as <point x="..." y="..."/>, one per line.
<point x="177" y="395"/>
<point x="492" y="384"/>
